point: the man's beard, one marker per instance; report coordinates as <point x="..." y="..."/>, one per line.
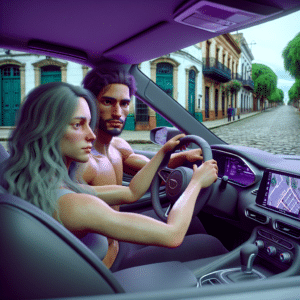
<point x="113" y="132"/>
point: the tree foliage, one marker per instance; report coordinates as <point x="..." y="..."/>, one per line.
<point x="294" y="92"/>
<point x="291" y="57"/>
<point x="232" y="87"/>
<point x="277" y="96"/>
<point x="265" y="80"/>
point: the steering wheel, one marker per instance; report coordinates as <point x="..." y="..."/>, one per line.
<point x="177" y="180"/>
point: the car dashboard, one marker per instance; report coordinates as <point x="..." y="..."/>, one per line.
<point x="237" y="170"/>
<point x="260" y="193"/>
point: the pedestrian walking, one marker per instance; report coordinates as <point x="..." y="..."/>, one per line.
<point x="229" y="112"/>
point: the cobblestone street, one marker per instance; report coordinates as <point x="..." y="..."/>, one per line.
<point x="276" y="131"/>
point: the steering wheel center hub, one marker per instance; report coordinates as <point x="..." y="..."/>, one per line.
<point x="174" y="184"/>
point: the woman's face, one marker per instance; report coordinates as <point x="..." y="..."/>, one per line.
<point x="77" y="141"/>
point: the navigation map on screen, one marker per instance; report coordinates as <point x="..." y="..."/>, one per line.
<point x="283" y="193"/>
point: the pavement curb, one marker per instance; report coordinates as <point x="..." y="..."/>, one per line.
<point x="228" y="123"/>
<point x="211" y="127"/>
<point x="148" y="141"/>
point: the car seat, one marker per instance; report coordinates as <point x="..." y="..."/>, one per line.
<point x="39" y="258"/>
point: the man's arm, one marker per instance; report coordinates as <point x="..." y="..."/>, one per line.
<point x="178" y="159"/>
<point x="133" y="162"/>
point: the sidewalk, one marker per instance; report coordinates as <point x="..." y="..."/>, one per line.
<point x="143" y="137"/>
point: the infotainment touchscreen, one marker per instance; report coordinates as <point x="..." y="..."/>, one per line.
<point x="280" y="191"/>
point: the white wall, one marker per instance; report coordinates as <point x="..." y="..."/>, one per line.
<point x="186" y="58"/>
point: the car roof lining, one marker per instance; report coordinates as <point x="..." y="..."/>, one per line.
<point x="135" y="33"/>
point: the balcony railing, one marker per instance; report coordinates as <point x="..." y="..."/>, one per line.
<point x="216" y="70"/>
<point x="248" y="84"/>
<point x="236" y="76"/>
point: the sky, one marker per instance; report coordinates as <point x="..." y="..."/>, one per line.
<point x="270" y="39"/>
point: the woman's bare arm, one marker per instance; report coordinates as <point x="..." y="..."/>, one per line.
<point x="82" y="213"/>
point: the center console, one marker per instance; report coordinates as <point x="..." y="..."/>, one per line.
<point x="266" y="254"/>
<point x="244" y="273"/>
<point x="274" y="246"/>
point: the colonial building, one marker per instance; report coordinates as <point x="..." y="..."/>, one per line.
<point x="221" y="57"/>
<point x="245" y="95"/>
<point x="20" y="72"/>
<point x="179" y="74"/>
<point x="196" y="77"/>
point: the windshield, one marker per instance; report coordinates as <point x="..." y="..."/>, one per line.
<point x="241" y="85"/>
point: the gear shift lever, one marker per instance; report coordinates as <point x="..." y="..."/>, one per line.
<point x="247" y="256"/>
<point x="245" y="273"/>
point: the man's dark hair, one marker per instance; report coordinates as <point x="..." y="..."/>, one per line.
<point x="99" y="78"/>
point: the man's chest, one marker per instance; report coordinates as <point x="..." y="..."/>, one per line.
<point x="109" y="169"/>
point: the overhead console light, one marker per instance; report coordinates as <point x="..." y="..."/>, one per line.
<point x="215" y="17"/>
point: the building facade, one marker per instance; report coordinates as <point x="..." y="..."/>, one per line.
<point x="244" y="75"/>
<point x="179" y="74"/>
<point x="20" y="72"/>
<point x="197" y="77"/>
<point x="221" y="57"/>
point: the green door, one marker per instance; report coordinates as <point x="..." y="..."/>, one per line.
<point x="10" y="95"/>
<point x="191" y="94"/>
<point x="50" y="74"/>
<point x="216" y="102"/>
<point x="207" y="102"/>
<point x="164" y="79"/>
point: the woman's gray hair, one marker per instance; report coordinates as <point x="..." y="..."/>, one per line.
<point x="35" y="169"/>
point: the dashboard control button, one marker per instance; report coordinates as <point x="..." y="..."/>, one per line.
<point x="260" y="244"/>
<point x="271" y="250"/>
<point x="285" y="257"/>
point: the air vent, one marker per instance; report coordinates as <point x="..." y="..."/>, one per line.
<point x="216" y="17"/>
<point x="287" y="229"/>
<point x="251" y="214"/>
<point x="212" y="281"/>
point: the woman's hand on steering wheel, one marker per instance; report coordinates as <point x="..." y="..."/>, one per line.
<point x="207" y="173"/>
<point x="178" y="179"/>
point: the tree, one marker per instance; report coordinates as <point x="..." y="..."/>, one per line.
<point x="265" y="81"/>
<point x="291" y="57"/>
<point x="277" y="96"/>
<point x="294" y="92"/>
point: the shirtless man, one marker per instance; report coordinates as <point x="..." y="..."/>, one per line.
<point x="112" y="155"/>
